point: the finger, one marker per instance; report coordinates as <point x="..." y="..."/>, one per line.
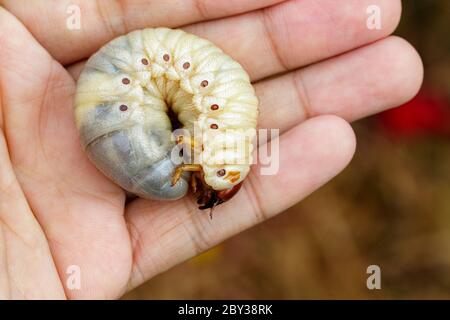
<point x="104" y="20"/>
<point x="165" y="234"/>
<point x="357" y="84"/>
<point x="23" y="246"/>
<point x="354" y="85"/>
<point x="295" y="33"/>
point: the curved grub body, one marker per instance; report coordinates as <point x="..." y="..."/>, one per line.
<point x="122" y="105"/>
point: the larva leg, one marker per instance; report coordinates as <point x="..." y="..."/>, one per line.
<point x="184" y="167"/>
<point x="189" y="142"/>
<point x="193" y="182"/>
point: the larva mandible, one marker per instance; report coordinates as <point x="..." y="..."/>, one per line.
<point x="124" y="98"/>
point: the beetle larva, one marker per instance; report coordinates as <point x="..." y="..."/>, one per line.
<point x="124" y="99"/>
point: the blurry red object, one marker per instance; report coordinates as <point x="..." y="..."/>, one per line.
<point x="427" y="114"/>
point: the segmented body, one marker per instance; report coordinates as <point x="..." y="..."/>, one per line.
<point x="123" y="99"/>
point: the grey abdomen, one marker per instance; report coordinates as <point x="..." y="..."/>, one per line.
<point x="123" y="158"/>
<point x="132" y="152"/>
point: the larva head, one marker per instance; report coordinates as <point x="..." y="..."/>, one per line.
<point x="210" y="198"/>
<point x="220" y="184"/>
<point x="224" y="177"/>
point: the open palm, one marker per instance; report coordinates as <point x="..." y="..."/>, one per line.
<point x="314" y="64"/>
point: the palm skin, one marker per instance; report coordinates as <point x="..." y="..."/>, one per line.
<point x="57" y="210"/>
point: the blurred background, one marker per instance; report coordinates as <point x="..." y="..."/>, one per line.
<point x="390" y="207"/>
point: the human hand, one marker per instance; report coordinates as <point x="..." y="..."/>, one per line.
<point x="57" y="210"/>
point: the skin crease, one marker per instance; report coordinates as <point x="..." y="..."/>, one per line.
<point x="57" y="210"/>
